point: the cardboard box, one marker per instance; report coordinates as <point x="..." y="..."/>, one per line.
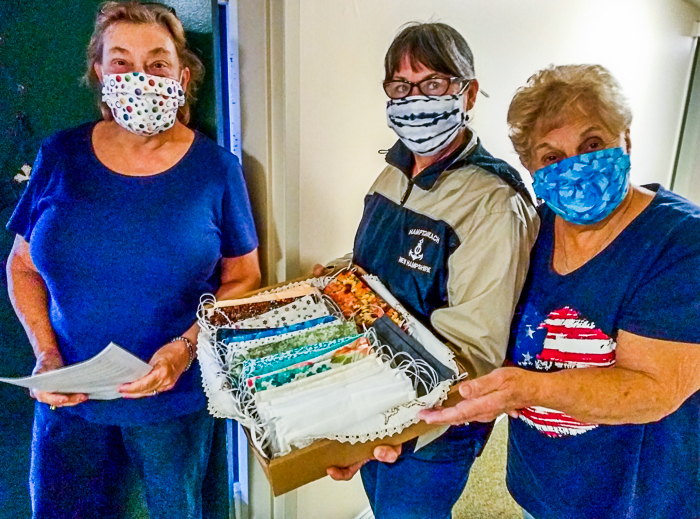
<point x="302" y="466"/>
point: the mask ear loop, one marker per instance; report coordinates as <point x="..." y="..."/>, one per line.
<point x="414" y="369"/>
<point x="206" y="308"/>
<point x="465" y="115"/>
<point x="332" y="306"/>
<point x="332" y="277"/>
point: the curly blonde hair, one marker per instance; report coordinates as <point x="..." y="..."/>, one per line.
<point x="553" y="95"/>
<point x="135" y="12"/>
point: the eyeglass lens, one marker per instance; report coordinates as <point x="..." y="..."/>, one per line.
<point x="435" y="86"/>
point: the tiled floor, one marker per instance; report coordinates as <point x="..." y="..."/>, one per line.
<point x="486" y="496"/>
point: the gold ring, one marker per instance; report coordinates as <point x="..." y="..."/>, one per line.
<point x="52" y="407"/>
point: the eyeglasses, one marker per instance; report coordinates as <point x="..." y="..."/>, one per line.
<point x="432" y="86"/>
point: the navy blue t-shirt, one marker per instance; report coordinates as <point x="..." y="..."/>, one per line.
<point x="125" y="259"/>
<point x="646" y="282"/>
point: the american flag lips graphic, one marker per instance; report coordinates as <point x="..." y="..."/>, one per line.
<point x="574" y="342"/>
<point x="553" y="423"/>
<point x="571" y="342"/>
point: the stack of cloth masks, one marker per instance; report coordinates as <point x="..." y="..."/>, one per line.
<point x="323" y="358"/>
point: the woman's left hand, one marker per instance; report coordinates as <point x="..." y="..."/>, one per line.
<point x="169" y="362"/>
<point x="485" y="398"/>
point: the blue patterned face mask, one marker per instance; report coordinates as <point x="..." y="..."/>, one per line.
<point x="586" y="188"/>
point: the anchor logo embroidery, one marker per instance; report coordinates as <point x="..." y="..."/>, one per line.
<point x="417" y="252"/>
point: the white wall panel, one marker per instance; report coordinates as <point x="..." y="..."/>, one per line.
<point x="647" y="44"/>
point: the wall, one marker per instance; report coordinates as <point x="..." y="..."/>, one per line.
<point x="645" y="43"/>
<point x="39" y="94"/>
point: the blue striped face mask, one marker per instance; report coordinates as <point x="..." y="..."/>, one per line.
<point x="427" y="125"/>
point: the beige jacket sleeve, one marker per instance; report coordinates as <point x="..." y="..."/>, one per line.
<point x="486" y="274"/>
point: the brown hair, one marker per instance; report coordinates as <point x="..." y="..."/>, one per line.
<point x="135" y="12"/>
<point x="436" y="46"/>
<point x="554" y="94"/>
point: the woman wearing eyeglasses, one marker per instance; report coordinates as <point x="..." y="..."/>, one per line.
<point x="125" y="223"/>
<point x="448" y="229"/>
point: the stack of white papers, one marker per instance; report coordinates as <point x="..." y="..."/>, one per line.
<point x="98" y="377"/>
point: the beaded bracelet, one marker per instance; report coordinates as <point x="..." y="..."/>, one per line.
<point x="190" y="349"/>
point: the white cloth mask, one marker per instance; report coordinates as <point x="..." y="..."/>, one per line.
<point x="316" y="409"/>
<point x="426" y="125"/>
<point x="141" y="103"/>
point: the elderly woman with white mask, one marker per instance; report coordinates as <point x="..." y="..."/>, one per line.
<point x="605" y="345"/>
<point x="448" y="229"/>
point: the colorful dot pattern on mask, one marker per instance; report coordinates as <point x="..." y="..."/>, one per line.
<point x="143" y="104"/>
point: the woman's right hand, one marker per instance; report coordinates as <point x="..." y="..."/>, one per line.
<point x="320" y="270"/>
<point x="383" y="453"/>
<point x="54" y="399"/>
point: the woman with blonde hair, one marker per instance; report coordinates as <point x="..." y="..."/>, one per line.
<point x="124" y="224"/>
<point x="605" y="345"/>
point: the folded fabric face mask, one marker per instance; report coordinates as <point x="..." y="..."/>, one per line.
<point x="427" y="124"/>
<point x="320" y="380"/>
<point x="141" y="103"/>
<point x="585" y="189"/>
<point x="231" y="335"/>
<point x="366" y="388"/>
<point x="357" y="301"/>
<point x="321" y="333"/>
<point x="238" y="352"/>
<point x="292" y="293"/>
<point x="229" y="315"/>
<point x="303" y="309"/>
<point x="399" y="341"/>
<point x="315" y="387"/>
<point x="254" y="367"/>
<point x="344" y="355"/>
<point x="413" y="327"/>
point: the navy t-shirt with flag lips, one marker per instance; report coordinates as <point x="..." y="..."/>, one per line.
<point x="646" y="282"/>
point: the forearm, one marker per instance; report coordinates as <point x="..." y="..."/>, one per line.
<point x="237" y="287"/>
<point x="611" y="396"/>
<point x="30" y="300"/>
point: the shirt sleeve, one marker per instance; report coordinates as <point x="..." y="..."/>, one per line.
<point x="666" y="304"/>
<point x="238" y="236"/>
<point x="27" y="210"/>
<point x="486" y="274"/>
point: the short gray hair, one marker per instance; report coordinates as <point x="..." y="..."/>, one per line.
<point x="436" y="46"/>
<point x="556" y="93"/>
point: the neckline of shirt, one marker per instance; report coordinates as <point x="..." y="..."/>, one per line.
<point x="93" y="156"/>
<point x="658" y="191"/>
<point x="402" y="158"/>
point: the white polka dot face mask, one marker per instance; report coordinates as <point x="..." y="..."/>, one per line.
<point x="142" y="104"/>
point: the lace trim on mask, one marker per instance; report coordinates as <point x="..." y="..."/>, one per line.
<point x="228" y="396"/>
